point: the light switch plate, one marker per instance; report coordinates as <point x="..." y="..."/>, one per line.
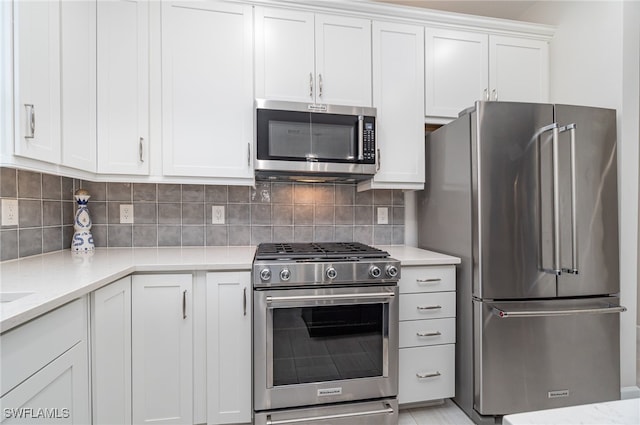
<point x="9" y="212"/>
<point x="217" y="214"/>
<point x="126" y="213"/>
<point x="383" y="215"/>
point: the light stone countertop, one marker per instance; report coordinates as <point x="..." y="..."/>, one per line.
<point x="56" y="278"/>
<point x="618" y="412"/>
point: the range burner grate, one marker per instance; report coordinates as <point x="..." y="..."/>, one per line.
<point x="328" y="250"/>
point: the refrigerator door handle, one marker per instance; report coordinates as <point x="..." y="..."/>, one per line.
<point x="555" y="205"/>
<point x="571" y="128"/>
<point x="505" y="314"/>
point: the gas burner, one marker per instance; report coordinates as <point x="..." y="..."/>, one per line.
<point x="314" y="250"/>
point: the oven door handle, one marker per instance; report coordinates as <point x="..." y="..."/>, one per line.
<point x="329" y="297"/>
<point x="387" y="410"/>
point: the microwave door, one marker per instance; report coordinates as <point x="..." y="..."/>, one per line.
<point x="334" y="137"/>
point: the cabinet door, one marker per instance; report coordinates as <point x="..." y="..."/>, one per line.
<point x="37" y="80"/>
<point x="457" y="69"/>
<point x="519" y="69"/>
<point x="78" y="84"/>
<point x="398" y="81"/>
<point x="111" y="353"/>
<point x="162" y="349"/>
<point x="207" y="89"/>
<point x="123" y="87"/>
<point x="284" y="55"/>
<point x="343" y="60"/>
<point x="57" y="394"/>
<point x="229" y="347"/>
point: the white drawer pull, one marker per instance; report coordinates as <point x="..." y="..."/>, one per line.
<point x="428" y="375"/>
<point x="434" y="280"/>
<point x="429" y="307"/>
<point x="436" y="333"/>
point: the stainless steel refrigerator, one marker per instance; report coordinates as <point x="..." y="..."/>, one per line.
<point x="526" y="195"/>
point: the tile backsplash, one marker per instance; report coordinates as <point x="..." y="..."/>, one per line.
<point x="181" y="215"/>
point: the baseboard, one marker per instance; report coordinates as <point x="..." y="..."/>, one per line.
<point x="629" y="392"/>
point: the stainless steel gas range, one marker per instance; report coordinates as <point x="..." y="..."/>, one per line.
<point x="325" y="334"/>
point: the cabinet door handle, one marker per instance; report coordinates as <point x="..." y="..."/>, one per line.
<point x="436" y="333"/>
<point x="140" y="149"/>
<point x="31" y="121"/>
<point x="320" y="85"/>
<point x="433" y="280"/>
<point x="184" y="304"/>
<point x="427" y="375"/>
<point x="485" y="92"/>
<point x="429" y="307"/>
<point x="379" y="160"/>
<point x="311" y="85"/>
<point x="495" y="94"/>
<point x="249" y="154"/>
<point x="244" y="301"/>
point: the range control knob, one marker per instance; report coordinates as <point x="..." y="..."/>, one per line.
<point x="392" y="271"/>
<point x="285" y="274"/>
<point x="331" y="273"/>
<point x="265" y="274"/>
<point x="375" y="272"/>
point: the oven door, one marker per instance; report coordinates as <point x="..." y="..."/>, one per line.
<point x="324" y="345"/>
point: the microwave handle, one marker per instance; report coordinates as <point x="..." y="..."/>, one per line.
<point x="360" y="138"/>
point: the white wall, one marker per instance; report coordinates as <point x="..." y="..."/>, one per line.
<point x="594" y="59"/>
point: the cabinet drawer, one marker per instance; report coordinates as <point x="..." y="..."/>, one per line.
<point x="427" y="306"/>
<point x="427" y="279"/>
<point x="426" y="373"/>
<point x="30" y="347"/>
<point x="416" y="333"/>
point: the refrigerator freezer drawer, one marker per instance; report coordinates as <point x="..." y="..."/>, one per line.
<point x="426" y="373"/>
<point x="427" y="279"/>
<point x="417" y="333"/>
<point x="427" y="306"/>
<point x="545" y="354"/>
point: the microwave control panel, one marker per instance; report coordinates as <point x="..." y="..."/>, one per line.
<point x="369" y="145"/>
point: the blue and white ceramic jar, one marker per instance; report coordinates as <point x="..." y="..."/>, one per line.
<point x="82" y="238"/>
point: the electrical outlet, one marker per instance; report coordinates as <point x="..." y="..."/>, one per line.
<point x="126" y="213"/>
<point x="217" y="214"/>
<point x="9" y="212"/>
<point x="383" y="215"/>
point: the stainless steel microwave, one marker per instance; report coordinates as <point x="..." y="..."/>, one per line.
<point x="314" y="141"/>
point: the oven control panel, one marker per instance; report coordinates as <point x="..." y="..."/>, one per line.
<point x="284" y="273"/>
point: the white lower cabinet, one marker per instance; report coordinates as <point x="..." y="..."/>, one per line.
<point x="426" y="373"/>
<point x="147" y="366"/>
<point x="45" y="372"/>
<point x="229" y="347"/>
<point x="427" y="334"/>
<point x="111" y="353"/>
<point x="162" y="349"/>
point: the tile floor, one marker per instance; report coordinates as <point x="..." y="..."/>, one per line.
<point x="443" y="414"/>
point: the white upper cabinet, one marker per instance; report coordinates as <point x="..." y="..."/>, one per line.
<point x="123" y="87"/>
<point x="306" y="57"/>
<point x="207" y="89"/>
<point x="457" y="71"/>
<point x="78" y="84"/>
<point x="519" y="69"/>
<point x="37" y="80"/>
<point x="463" y="67"/>
<point x="343" y="60"/>
<point x="398" y="96"/>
